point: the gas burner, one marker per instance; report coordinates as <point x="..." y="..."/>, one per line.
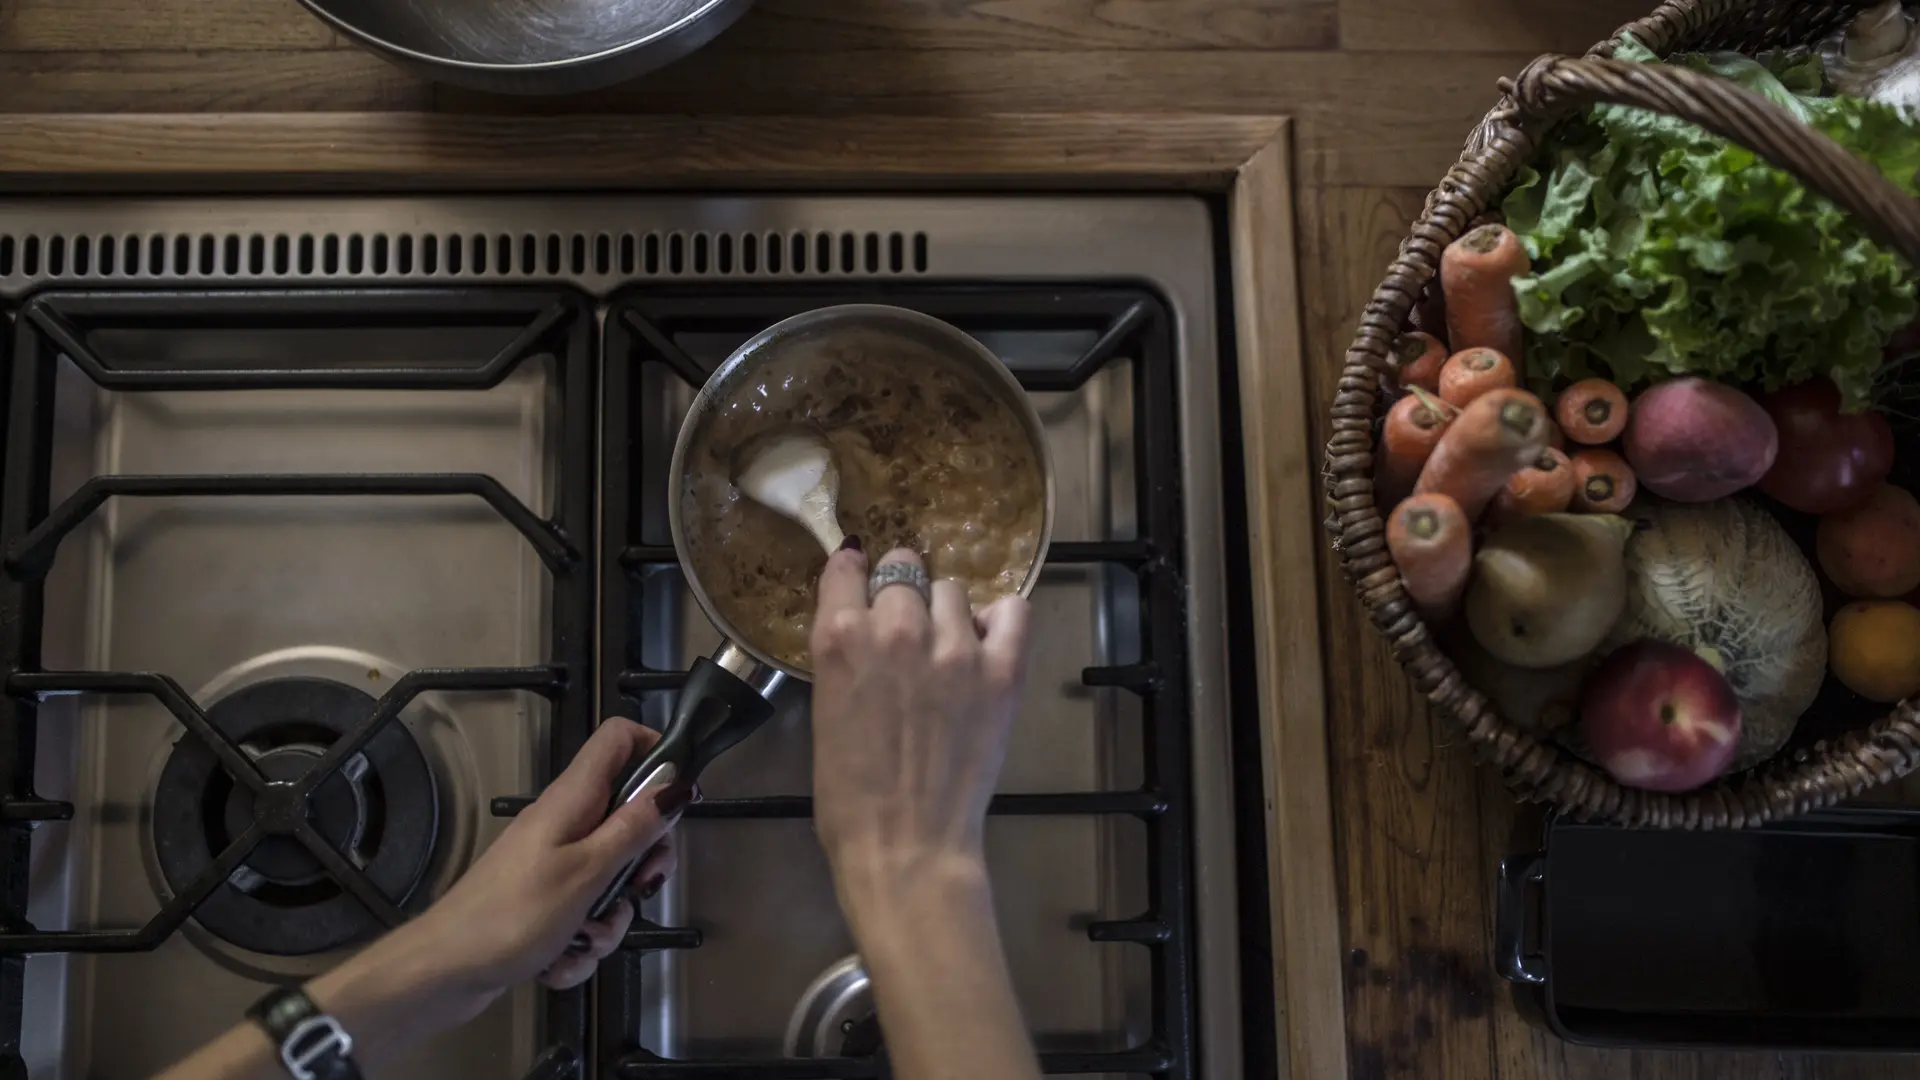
<point x="379" y="810"/>
<point x="835" y="1016"/>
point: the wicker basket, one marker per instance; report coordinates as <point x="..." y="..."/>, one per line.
<point x="1797" y="779"/>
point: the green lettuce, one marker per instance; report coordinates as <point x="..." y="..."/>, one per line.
<point x="1660" y="250"/>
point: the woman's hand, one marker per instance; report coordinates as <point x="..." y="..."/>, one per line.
<point x="912" y="705"/>
<point x="520" y="911"/>
<point x="911" y="711"/>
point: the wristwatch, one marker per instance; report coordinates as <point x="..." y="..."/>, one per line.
<point x="311" y="1045"/>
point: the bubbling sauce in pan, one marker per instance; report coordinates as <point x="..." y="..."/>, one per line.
<point x="929" y="457"/>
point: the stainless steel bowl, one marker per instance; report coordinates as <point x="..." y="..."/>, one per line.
<point x="920" y="339"/>
<point x="530" y="46"/>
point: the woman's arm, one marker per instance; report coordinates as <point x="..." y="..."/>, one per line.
<point x="912" y="707"/>
<point x="932" y="948"/>
<point x="386" y="997"/>
<point x="518" y="913"/>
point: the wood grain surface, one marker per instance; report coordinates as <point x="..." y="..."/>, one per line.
<point x="1281" y="463"/>
<point x="1383" y="92"/>
<point x="393" y="150"/>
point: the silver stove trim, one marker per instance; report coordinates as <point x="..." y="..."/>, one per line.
<point x="1165" y="241"/>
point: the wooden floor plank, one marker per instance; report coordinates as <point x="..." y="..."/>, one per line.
<point x="1564" y="26"/>
<point x="188" y="25"/>
<point x="395" y="150"/>
<point x="1354" y="127"/>
<point x="1282" y="542"/>
<point x="303" y="80"/>
<point x="924" y="25"/>
<point x="1420" y="990"/>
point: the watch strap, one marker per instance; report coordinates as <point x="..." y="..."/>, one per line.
<point x="309" y="1044"/>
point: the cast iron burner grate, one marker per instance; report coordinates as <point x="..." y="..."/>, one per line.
<point x="641" y="330"/>
<point x="52" y="325"/>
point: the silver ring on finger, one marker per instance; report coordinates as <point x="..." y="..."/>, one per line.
<point x="900" y="573"/>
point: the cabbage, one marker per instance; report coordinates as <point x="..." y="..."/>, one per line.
<point x="1660" y="250"/>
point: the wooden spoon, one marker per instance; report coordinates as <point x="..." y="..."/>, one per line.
<point x="791" y="471"/>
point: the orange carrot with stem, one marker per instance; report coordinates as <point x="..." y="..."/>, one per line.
<point x="1413" y="428"/>
<point x="1417" y="360"/>
<point x="1477" y="272"/>
<point x="1544" y="487"/>
<point x="1473" y="372"/>
<point x="1593" y="412"/>
<point x="1502" y="432"/>
<point x="1603" y="482"/>
<point x="1431" y="542"/>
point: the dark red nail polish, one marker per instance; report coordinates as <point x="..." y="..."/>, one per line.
<point x="652" y="887"/>
<point x="851" y="543"/>
<point x="673" y="798"/>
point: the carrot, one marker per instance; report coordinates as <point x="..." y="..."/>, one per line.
<point x="1417" y="359"/>
<point x="1544" y="487"/>
<point x="1473" y="372"/>
<point x="1592" y="412"/>
<point x="1413" y="428"/>
<point x="1603" y="482"/>
<point x="1477" y="272"/>
<point x="1502" y="432"/>
<point x="1431" y="542"/>
<point x="1555" y="438"/>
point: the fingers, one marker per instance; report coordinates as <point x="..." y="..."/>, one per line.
<point x="843" y="584"/>
<point x="953" y="616"/>
<point x="577" y="799"/>
<point x="839" y="624"/>
<point x="900" y="616"/>
<point x="636" y="826"/>
<point x="603" y="936"/>
<point x="1003" y="633"/>
<point x="660" y="863"/>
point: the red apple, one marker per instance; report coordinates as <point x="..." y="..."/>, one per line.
<point x="1829" y="460"/>
<point x="1692" y="440"/>
<point x="1659" y="717"/>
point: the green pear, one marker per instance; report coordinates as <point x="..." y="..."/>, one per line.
<point x="1547" y="589"/>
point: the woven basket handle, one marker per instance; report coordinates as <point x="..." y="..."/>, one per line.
<point x="1552" y="86"/>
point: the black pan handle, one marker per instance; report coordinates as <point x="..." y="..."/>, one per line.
<point x="725" y="699"/>
<point x="1514" y="936"/>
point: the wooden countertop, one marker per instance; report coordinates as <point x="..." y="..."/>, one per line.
<point x="1381" y="93"/>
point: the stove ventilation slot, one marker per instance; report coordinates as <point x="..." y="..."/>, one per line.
<point x="443" y="256"/>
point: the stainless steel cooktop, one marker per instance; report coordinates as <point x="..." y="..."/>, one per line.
<point x="299" y="602"/>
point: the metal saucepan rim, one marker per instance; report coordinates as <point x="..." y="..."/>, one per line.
<point x="806" y="322"/>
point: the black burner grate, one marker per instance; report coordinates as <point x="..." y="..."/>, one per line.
<point x="641" y="330"/>
<point x="53" y="325"/>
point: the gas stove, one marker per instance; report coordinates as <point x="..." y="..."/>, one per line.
<point x="332" y="525"/>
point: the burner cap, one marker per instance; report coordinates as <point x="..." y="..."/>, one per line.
<point x="337" y="808"/>
<point x="835" y="1016"/>
<point x="379" y="810"/>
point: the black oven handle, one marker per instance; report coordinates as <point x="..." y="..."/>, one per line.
<point x="1515" y="939"/>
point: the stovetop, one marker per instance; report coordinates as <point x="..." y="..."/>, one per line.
<point x="371" y="492"/>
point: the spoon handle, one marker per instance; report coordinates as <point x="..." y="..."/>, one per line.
<point x="826" y="529"/>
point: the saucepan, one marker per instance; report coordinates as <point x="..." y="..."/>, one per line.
<point x="729" y="694"/>
<point x="530" y="46"/>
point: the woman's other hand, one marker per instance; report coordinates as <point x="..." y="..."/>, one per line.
<point x="520" y="911"/>
<point x="912" y="706"/>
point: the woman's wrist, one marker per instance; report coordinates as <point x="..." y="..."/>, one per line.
<point x="404" y="986"/>
<point x="884" y="889"/>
